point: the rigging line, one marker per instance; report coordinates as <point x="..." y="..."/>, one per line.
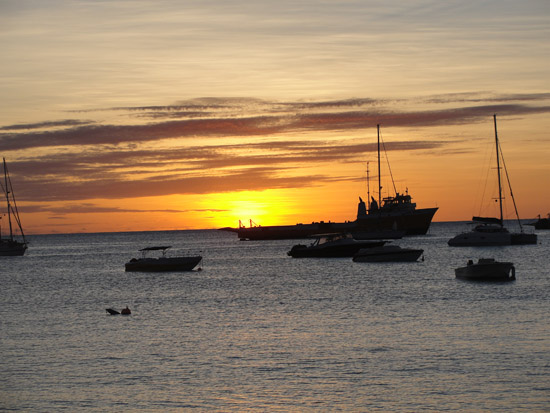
<point x="388" y="162"/>
<point x="13" y="204"/>
<point x="483" y="201"/>
<point x="7" y="187"/>
<point x="368" y="184"/>
<point x="510" y="188"/>
<point x="482" y="183"/>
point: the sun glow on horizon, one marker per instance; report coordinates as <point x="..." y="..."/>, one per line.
<point x="269" y="207"/>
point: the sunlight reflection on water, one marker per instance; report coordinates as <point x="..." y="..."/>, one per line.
<point x="258" y="330"/>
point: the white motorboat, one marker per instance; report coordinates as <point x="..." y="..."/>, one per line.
<point x="487" y="269"/>
<point x="388" y="253"/>
<point x="163" y="263"/>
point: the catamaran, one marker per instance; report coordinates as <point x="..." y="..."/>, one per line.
<point x="491" y="230"/>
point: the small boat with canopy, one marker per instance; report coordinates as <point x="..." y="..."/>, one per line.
<point x="162" y="263"/>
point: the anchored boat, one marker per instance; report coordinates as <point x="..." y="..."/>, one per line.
<point x="163" y="263"/>
<point x="331" y="246"/>
<point x="487" y="269"/>
<point x="388" y="253"/>
<point x="389" y="217"/>
<point x="11" y="246"/>
<point x="541" y="223"/>
<point x="491" y="231"/>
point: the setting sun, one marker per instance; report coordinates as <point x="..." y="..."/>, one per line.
<point x="268" y="207"/>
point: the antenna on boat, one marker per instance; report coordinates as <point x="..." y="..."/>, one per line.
<point x="389" y="166"/>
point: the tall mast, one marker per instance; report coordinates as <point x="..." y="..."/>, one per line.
<point x="498" y="171"/>
<point x="379" y="177"/>
<point x="7" y="197"/>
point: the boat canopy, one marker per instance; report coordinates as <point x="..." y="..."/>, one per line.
<point x="155" y="248"/>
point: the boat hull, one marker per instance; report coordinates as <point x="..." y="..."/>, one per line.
<point x="542" y="224"/>
<point x="163" y="264"/>
<point x="415" y="222"/>
<point x="12" y="248"/>
<point x="333" y="251"/>
<point x="524" y="239"/>
<point x="388" y="255"/>
<point x="492" y="239"/>
<point x="474" y="239"/>
<point x="489" y="271"/>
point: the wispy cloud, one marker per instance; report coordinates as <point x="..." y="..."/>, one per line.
<point x="89" y="208"/>
<point x="101" y="160"/>
<point x="160" y="185"/>
<point x="233" y="120"/>
<point x="42" y="125"/>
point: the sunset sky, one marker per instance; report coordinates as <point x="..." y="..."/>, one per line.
<point x="164" y="114"/>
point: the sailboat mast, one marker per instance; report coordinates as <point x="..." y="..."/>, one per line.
<point x="498" y="171"/>
<point x="7" y="197"/>
<point x="379" y="177"/>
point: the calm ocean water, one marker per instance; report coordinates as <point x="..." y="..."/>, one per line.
<point x="257" y="330"/>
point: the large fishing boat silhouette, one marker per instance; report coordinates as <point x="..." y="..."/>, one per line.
<point x="389" y="217"/>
